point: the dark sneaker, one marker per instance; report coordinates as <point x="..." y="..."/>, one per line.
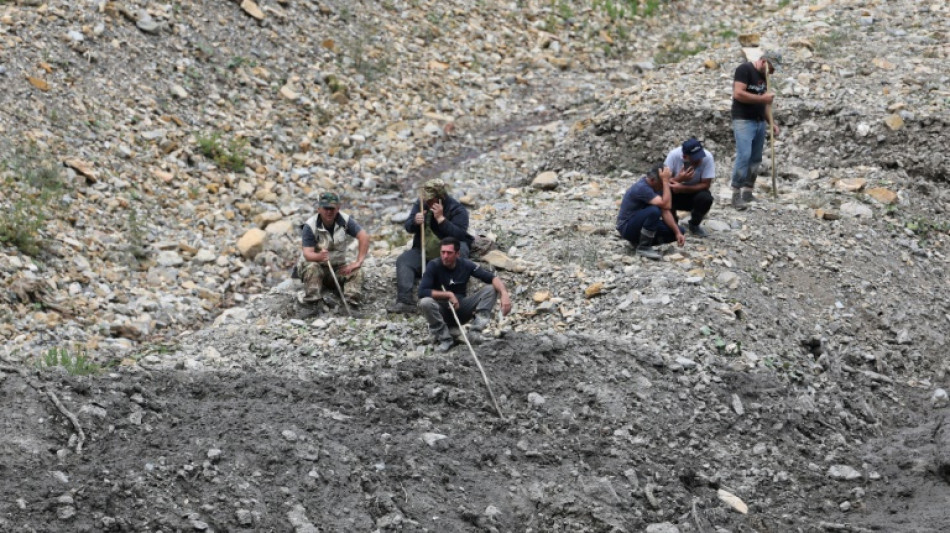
<point x="649" y="252"/>
<point x="480" y="322"/>
<point x="445" y="345"/>
<point x="402" y="307"/>
<point x="747" y="196"/>
<point x="697" y="230"/>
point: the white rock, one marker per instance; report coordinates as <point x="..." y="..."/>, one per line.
<point x="535" y="399"/>
<point x="662" y="527"/>
<point x="843" y="472"/>
<point x="204" y="256"/>
<point x="856" y="209"/>
<point x="939" y="398"/>
<point x="432" y="438"/>
<point x="169" y="258"/>
<point x="545" y="181"/>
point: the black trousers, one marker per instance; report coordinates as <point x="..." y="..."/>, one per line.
<point x="697" y="203"/>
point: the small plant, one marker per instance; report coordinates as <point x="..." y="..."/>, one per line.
<point x="136" y="234"/>
<point x="674" y="50"/>
<point x="76" y="365"/>
<point x="230" y="156"/>
<point x="564" y="10"/>
<point x="240" y="61"/>
<point x="31" y="186"/>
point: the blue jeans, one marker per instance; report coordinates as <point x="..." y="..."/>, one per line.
<point x="750" y="138"/>
<point x="649" y="218"/>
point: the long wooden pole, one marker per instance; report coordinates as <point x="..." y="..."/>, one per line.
<point x="477" y="362"/>
<point x="422" y="234"/>
<point x="339" y="289"/>
<point x="771" y="118"/>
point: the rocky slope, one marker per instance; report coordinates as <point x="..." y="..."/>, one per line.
<point x="793" y="360"/>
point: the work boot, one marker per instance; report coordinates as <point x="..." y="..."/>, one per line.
<point x="747" y="195"/>
<point x="697" y="230"/>
<point x="402" y="307"/>
<point x="482" y="318"/>
<point x="645" y="246"/>
<point x="444" y="345"/>
<point x="476" y="337"/>
<point x="737" y="202"/>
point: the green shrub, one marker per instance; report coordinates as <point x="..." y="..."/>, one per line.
<point x="76" y="365"/>
<point x="228" y="156"/>
<point x="31" y="184"/>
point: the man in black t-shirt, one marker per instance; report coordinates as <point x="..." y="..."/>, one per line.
<point x="445" y="283"/>
<point x="751" y="114"/>
<point x="440" y="216"/>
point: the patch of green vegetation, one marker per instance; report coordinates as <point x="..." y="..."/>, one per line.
<point x="564" y="10"/>
<point x="135" y="231"/>
<point x="675" y="49"/>
<point x="77" y="365"/>
<point x="237" y="62"/>
<point x="31" y="183"/>
<point x="230" y="155"/>
<point x="728" y="34"/>
<point x="370" y="61"/>
<point x="626" y="9"/>
<point x="828" y="43"/>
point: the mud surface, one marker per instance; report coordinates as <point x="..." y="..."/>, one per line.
<point x="598" y="436"/>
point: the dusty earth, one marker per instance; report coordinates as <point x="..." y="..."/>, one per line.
<point x="787" y="374"/>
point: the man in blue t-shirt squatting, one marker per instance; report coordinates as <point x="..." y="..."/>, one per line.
<point x="445" y="283"/>
<point x="646" y="216"/>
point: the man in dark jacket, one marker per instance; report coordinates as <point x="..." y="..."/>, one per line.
<point x="445" y="284"/>
<point x="442" y="216"/>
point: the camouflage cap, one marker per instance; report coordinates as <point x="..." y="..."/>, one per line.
<point x="329" y="199"/>
<point x="434" y="188"/>
<point x="774" y="57"/>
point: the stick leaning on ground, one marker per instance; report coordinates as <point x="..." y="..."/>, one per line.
<point x="422" y="234"/>
<point x="477" y="362"/>
<point x="771" y="119"/>
<point x="339" y="289"/>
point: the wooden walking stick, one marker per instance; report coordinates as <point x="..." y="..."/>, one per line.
<point x="771" y="119"/>
<point x="339" y="289"/>
<point x="422" y="234"/>
<point x="477" y="362"/>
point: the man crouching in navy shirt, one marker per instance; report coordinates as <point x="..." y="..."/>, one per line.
<point x="445" y="282"/>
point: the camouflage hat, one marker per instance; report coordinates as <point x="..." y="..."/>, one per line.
<point x="434" y="188"/>
<point x="329" y="199"/>
<point x="774" y="57"/>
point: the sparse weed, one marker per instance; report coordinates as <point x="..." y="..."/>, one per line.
<point x="824" y="45"/>
<point x="31" y="186"/>
<point x="230" y="156"/>
<point x="675" y="49"/>
<point x="237" y="62"/>
<point x="77" y="365"/>
<point x="135" y="230"/>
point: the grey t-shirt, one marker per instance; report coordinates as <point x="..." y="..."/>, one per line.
<point x="706" y="170"/>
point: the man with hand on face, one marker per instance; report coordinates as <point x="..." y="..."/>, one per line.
<point x="693" y="170"/>
<point x="751" y="114"/>
<point x="645" y="217"/>
<point x="445" y="283"/>
<point x="442" y="216"/>
<point x="326" y="237"/>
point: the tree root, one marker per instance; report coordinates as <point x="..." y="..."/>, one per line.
<point x="40" y="388"/>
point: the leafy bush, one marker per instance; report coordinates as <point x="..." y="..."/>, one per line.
<point x="228" y="156"/>
<point x="77" y="365"/>
<point x="30" y="185"/>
